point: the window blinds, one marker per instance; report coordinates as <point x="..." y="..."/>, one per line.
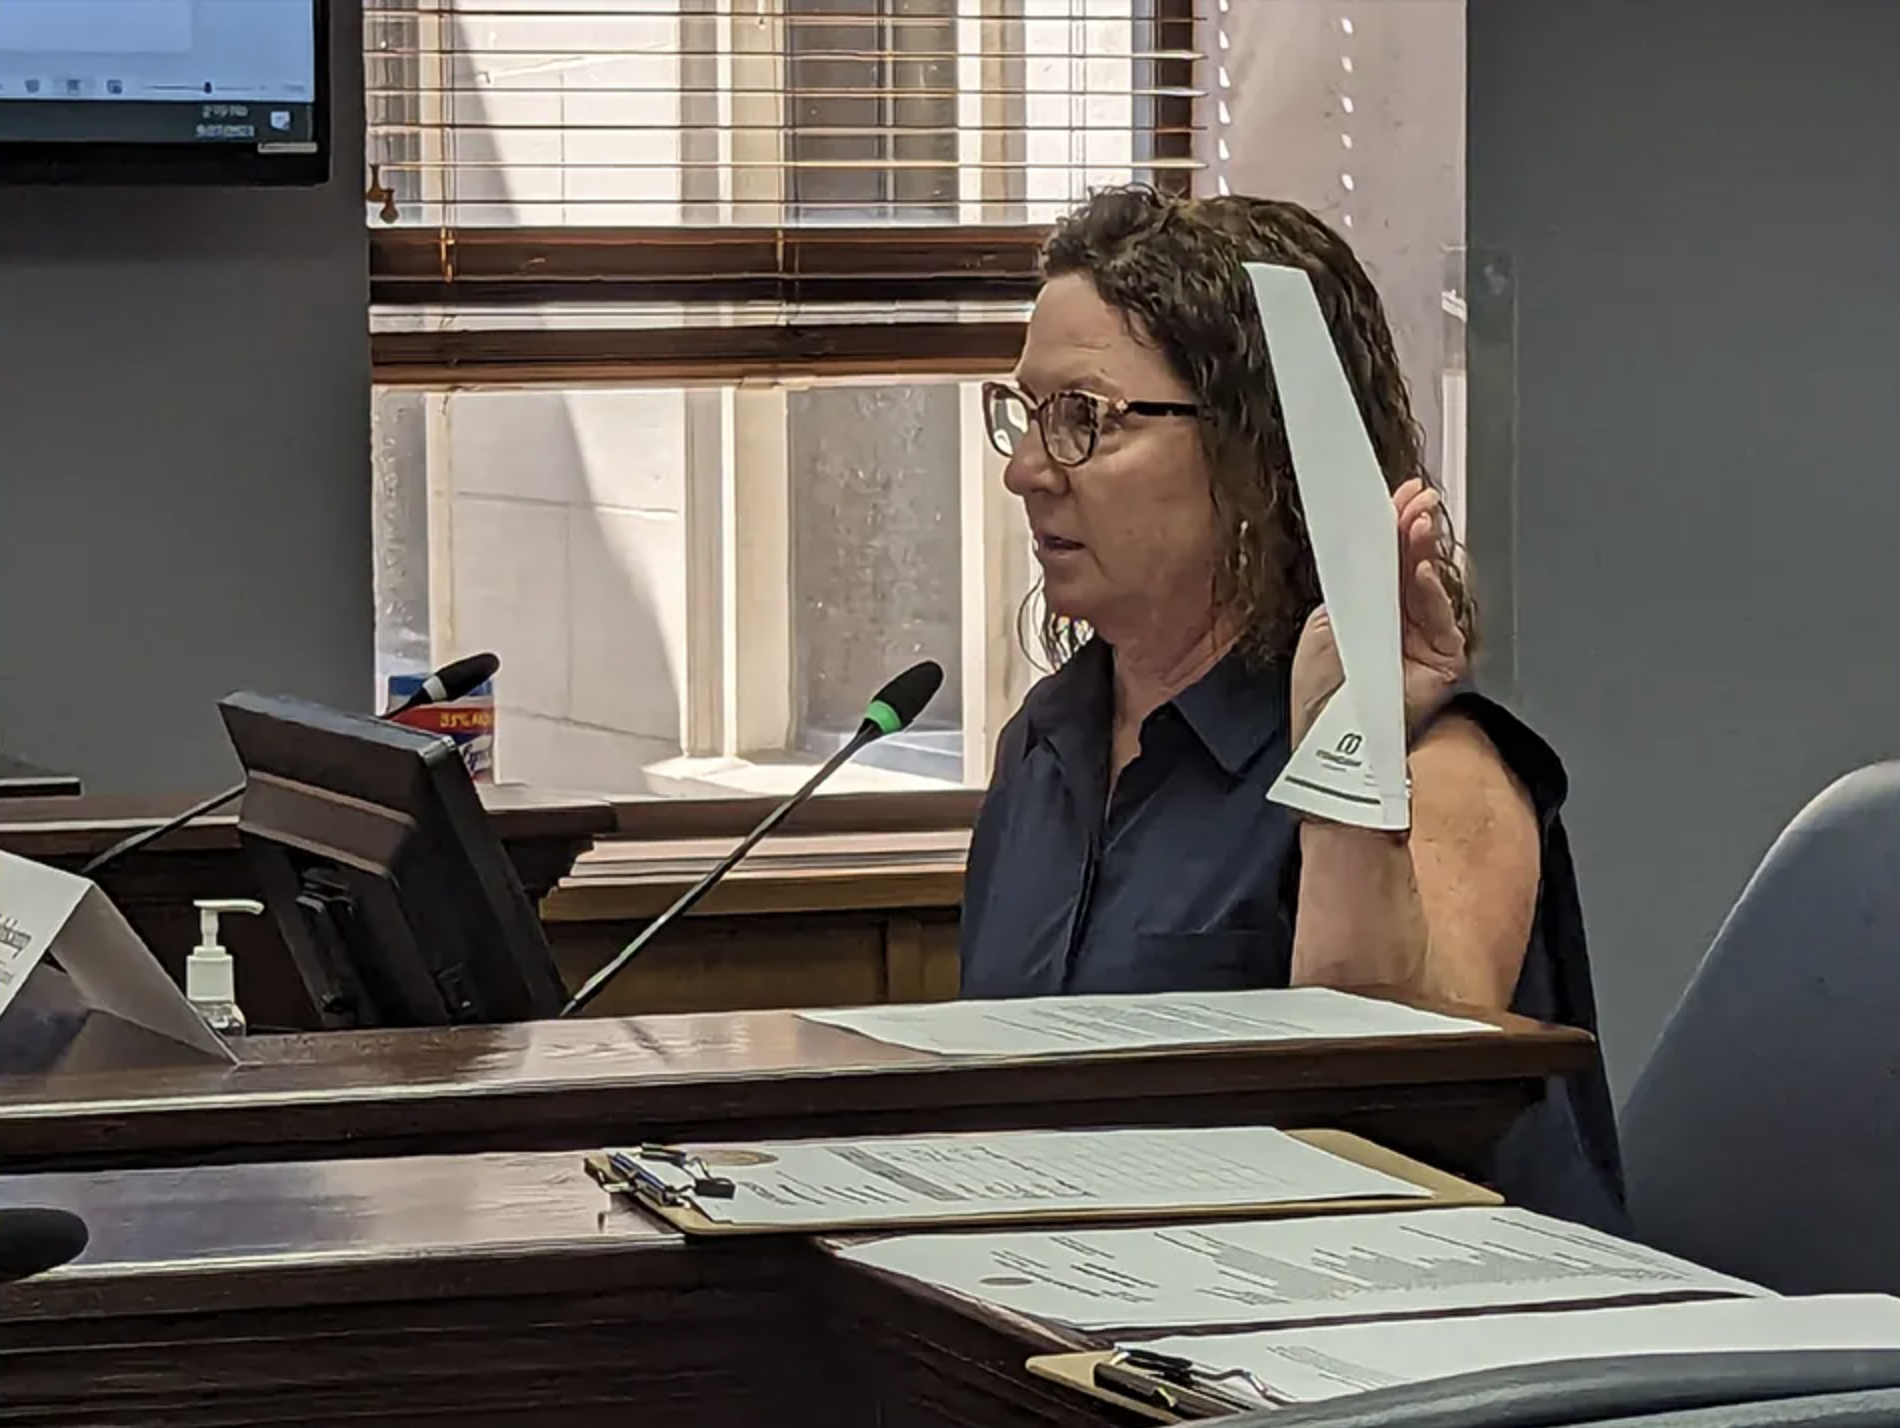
<point x="653" y="143"/>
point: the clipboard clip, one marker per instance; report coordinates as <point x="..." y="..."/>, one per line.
<point x="1173" y="1383"/>
<point x="634" y="1167"/>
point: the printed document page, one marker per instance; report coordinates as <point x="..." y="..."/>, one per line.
<point x="1293" y="1271"/>
<point x="960" y="1178"/>
<point x="1049" y="1026"/>
<point x="1302" y="1365"/>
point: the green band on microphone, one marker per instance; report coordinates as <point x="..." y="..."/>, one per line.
<point x="882" y="715"/>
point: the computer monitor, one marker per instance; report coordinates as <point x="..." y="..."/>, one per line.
<point x="377" y="861"/>
<point x="164" y="92"/>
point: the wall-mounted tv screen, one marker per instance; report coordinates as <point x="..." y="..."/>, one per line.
<point x="164" y="91"/>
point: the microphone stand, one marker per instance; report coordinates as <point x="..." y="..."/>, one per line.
<point x="867" y="733"/>
<point x="144" y="836"/>
<point x="151" y="835"/>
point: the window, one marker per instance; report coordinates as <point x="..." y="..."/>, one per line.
<point x="681" y="308"/>
<point x="680" y="304"/>
<point x="696" y="589"/>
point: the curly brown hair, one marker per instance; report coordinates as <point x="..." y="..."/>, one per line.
<point x="1174" y="264"/>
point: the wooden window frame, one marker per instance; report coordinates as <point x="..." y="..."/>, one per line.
<point x="472" y="268"/>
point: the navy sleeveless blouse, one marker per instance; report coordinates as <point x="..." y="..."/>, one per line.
<point x="1188" y="881"/>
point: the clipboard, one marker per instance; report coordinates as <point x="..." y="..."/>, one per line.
<point x="669" y="1182"/>
<point x="1156" y="1387"/>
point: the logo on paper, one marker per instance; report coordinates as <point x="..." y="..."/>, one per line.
<point x="15" y="941"/>
<point x="1344" y="755"/>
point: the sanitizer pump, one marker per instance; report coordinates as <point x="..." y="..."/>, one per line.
<point x="210" y="978"/>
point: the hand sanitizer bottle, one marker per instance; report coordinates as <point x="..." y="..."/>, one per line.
<point x="210" y="977"/>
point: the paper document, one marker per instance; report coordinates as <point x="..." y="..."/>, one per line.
<point x="1049" y="1026"/>
<point x="1302" y="1365"/>
<point x="35" y="903"/>
<point x="48" y="914"/>
<point x="1350" y="767"/>
<point x="959" y="1178"/>
<point x="1292" y="1271"/>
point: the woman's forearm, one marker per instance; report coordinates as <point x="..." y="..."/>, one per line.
<point x="1361" y="920"/>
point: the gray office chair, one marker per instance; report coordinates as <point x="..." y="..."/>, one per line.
<point x="1835" y="1387"/>
<point x="1763" y="1137"/>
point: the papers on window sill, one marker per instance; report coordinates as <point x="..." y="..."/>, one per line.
<point x="1305" y="1365"/>
<point x="1049" y="1026"/>
<point x="806" y="1186"/>
<point x="1291" y="1271"/>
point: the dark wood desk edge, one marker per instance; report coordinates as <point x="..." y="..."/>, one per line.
<point x="682" y="819"/>
<point x="37" y="787"/>
<point x="858" y="892"/>
<point x="20" y="779"/>
<point x="80" y="827"/>
<point x="266" y="1281"/>
<point x="1289" y="1082"/>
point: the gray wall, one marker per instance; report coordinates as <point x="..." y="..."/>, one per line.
<point x="184" y="462"/>
<point x="1702" y="207"/>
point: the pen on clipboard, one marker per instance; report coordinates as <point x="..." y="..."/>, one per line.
<point x="634" y="1169"/>
<point x="1180" y="1385"/>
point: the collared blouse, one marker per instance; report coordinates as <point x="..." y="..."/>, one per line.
<point x="1187" y="879"/>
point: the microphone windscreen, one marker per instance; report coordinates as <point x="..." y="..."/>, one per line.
<point x="897" y="705"/>
<point x="461" y="678"/>
<point x="34" y="1241"/>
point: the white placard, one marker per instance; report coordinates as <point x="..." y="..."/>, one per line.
<point x="1091" y="1025"/>
<point x="1292" y="1271"/>
<point x="1350" y="766"/>
<point x="45" y="912"/>
<point x="807" y="1185"/>
<point x="1304" y="1365"/>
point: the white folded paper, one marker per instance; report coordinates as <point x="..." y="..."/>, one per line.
<point x="47" y="914"/>
<point x="1350" y="767"/>
<point x="1305" y="1365"/>
<point x="1293" y="1271"/>
<point x="1157" y="1021"/>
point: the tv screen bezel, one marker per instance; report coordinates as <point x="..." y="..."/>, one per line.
<point x="29" y="164"/>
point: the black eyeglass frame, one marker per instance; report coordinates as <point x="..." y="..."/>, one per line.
<point x="1105" y="407"/>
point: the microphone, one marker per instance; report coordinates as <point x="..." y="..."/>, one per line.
<point x="455" y="680"/>
<point x="34" y="1241"/>
<point x="893" y="708"/>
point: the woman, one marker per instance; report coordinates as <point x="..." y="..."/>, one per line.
<point x="1127" y="843"/>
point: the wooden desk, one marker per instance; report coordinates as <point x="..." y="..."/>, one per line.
<point x="582" y="1083"/>
<point x="816" y="919"/>
<point x="543" y="834"/>
<point x="19" y="779"/>
<point x="482" y="1292"/>
<point x="777" y="937"/>
<point x="855" y="900"/>
<point x="942" y="1362"/>
<point x="490" y="1291"/>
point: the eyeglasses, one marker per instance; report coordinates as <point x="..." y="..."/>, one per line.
<point x="1070" y="422"/>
